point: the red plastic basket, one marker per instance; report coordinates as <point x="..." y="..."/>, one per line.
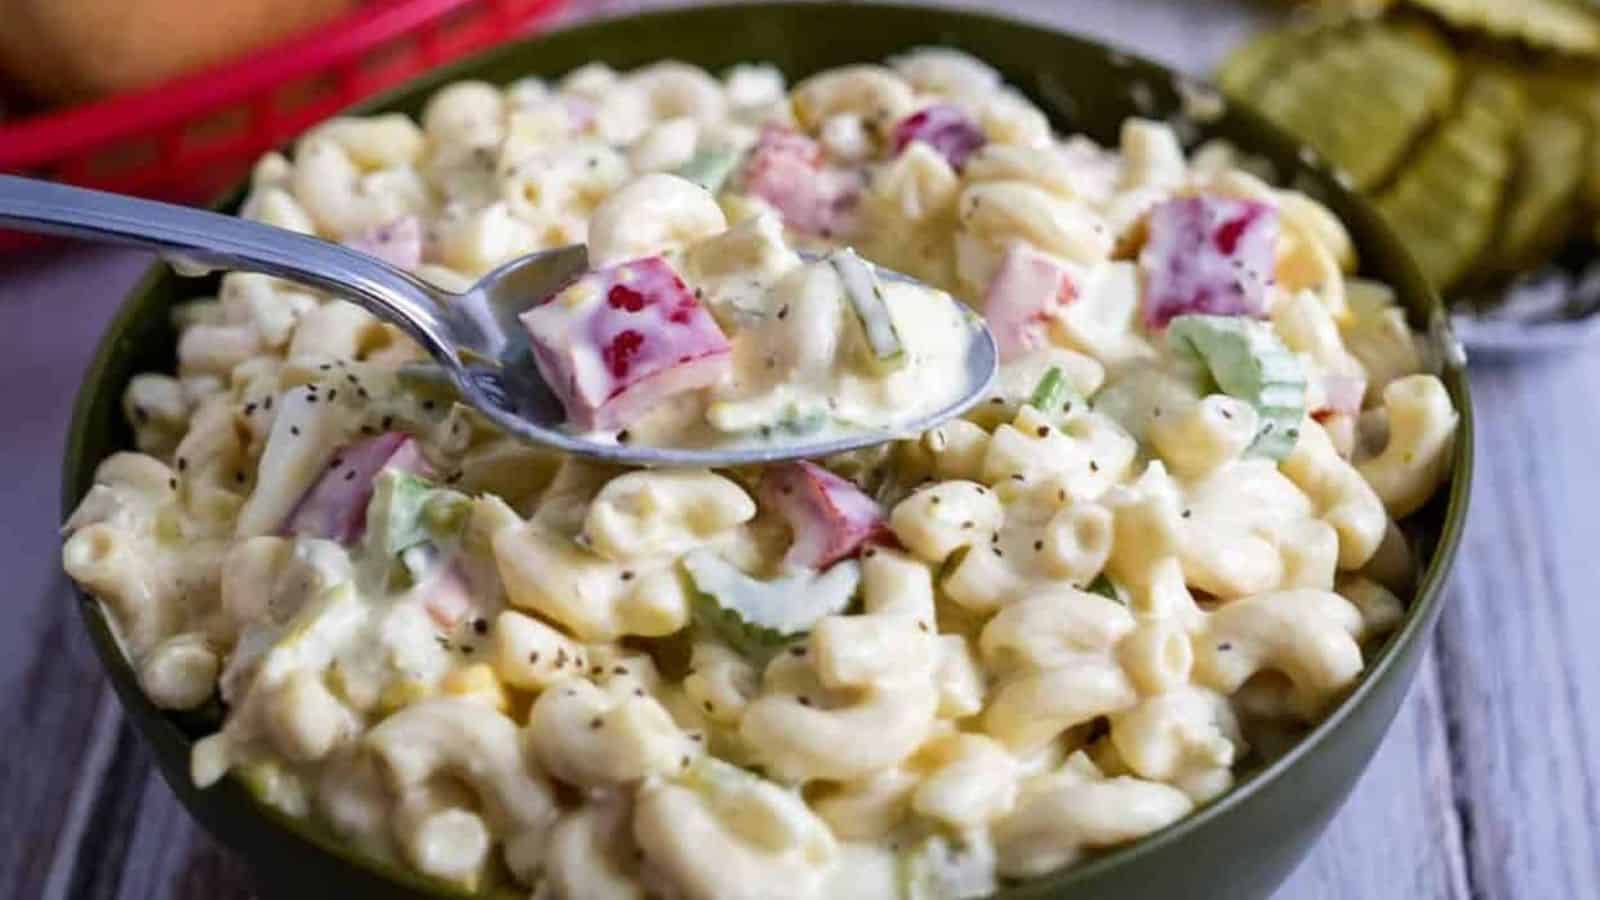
<point x="186" y="139"/>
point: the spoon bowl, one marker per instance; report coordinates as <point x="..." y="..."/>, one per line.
<point x="474" y="336"/>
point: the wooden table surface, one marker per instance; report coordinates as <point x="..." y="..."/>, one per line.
<point x="1488" y="786"/>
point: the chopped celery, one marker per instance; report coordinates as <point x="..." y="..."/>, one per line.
<point x="710" y="168"/>
<point x="1104" y="587"/>
<point x="798" y="422"/>
<point x="408" y="511"/>
<point x="413" y="525"/>
<point x="865" y="294"/>
<point x="1052" y="392"/>
<point x="755" y="616"/>
<point x="1247" y="361"/>
<point x="395" y="514"/>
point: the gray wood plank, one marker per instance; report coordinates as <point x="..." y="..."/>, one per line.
<point x="94" y="870"/>
<point x="1399" y="834"/>
<point x="81" y="810"/>
<point x="172" y="858"/>
<point x="85" y="815"/>
<point x="1520" y="675"/>
<point x="52" y="306"/>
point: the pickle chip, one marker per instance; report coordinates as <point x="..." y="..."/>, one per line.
<point x="1444" y="205"/>
<point x="1574" y="89"/>
<point x="1552" y="151"/>
<point x="1541" y="24"/>
<point x="1262" y="56"/>
<point x="1359" y="93"/>
<point x="1474" y="125"/>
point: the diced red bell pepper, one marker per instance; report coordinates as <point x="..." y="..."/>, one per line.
<point x="828" y="516"/>
<point x="399" y="243"/>
<point x="944" y="127"/>
<point x="336" y="506"/>
<point x="1024" y="296"/>
<point x="1212" y="255"/>
<point x="622" y="339"/>
<point x="786" y="169"/>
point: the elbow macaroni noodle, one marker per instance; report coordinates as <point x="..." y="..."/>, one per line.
<point x="1068" y="622"/>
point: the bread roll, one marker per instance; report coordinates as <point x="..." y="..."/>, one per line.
<point x="74" y="50"/>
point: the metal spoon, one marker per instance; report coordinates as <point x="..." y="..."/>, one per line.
<point x="474" y="336"/>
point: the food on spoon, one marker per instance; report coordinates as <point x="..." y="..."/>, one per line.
<point x="861" y="288"/>
<point x="624" y="339"/>
<point x="735" y="340"/>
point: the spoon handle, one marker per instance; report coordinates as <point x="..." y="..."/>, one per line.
<point x="227" y="242"/>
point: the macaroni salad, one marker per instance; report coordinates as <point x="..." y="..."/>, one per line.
<point x="1161" y="547"/>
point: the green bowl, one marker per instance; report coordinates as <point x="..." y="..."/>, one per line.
<point x="1241" y="846"/>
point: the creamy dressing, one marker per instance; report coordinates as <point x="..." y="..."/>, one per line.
<point x="800" y="360"/>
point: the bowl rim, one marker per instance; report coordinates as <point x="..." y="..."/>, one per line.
<point x="1426" y="600"/>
